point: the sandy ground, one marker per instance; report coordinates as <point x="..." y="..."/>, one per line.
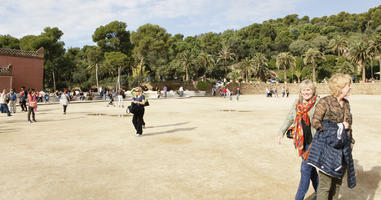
<point x="194" y="148"/>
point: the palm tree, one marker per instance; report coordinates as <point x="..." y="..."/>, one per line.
<point x="206" y="60"/>
<point x="375" y="49"/>
<point x="285" y="60"/>
<point x="346" y="67"/>
<point x="298" y="74"/>
<point x="233" y="75"/>
<point x="225" y="54"/>
<point x="359" y="54"/>
<point x="247" y="67"/>
<point x="186" y="60"/>
<point x="339" y="44"/>
<point x="312" y="56"/>
<point x="260" y="66"/>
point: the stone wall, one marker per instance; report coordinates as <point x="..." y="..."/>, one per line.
<point x="322" y="88"/>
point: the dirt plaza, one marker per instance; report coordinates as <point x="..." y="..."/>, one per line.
<point x="192" y="148"/>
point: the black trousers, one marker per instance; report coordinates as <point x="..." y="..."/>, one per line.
<point x="143" y="123"/>
<point x="31" y="110"/>
<point x="137" y="120"/>
<point x="64" y="108"/>
<point x="23" y="106"/>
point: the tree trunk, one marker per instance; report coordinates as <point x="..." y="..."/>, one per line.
<point x="247" y="74"/>
<point x="118" y="82"/>
<point x="226" y="68"/>
<point x="54" y="80"/>
<point x="313" y="72"/>
<point x="96" y="75"/>
<point x="285" y="75"/>
<point x="141" y="69"/>
<point x="379" y="63"/>
<point x="186" y="73"/>
<point x="298" y="79"/>
<point x="363" y="71"/>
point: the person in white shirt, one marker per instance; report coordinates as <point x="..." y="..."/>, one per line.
<point x="64" y="100"/>
<point x="4" y="98"/>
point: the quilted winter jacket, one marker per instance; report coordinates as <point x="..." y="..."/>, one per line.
<point x="331" y="153"/>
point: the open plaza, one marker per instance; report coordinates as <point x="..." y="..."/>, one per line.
<point x="191" y="148"/>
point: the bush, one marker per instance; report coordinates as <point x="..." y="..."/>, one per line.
<point x="203" y="86"/>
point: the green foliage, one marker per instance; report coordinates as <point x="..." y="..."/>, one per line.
<point x="113" y="37"/>
<point x="299" y="47"/>
<point x="113" y="60"/>
<point x="203" y="86"/>
<point x="9" y="42"/>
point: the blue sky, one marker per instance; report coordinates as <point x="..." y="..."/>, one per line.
<point x="78" y="19"/>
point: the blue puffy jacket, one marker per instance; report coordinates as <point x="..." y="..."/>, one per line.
<point x="331" y="153"/>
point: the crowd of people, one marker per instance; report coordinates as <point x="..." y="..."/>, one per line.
<point x="273" y="92"/>
<point x="221" y="89"/>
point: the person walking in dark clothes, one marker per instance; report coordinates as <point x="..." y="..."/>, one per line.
<point x="23" y="99"/>
<point x="137" y="119"/>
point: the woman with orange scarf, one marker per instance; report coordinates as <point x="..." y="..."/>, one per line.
<point x="298" y="126"/>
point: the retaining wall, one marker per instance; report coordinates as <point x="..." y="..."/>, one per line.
<point x="322" y="88"/>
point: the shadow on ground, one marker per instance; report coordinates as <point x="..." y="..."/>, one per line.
<point x="367" y="184"/>
<point x="170" y="131"/>
<point x="167" y="125"/>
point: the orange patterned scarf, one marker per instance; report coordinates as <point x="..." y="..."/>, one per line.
<point x="297" y="129"/>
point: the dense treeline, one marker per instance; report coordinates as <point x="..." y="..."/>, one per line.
<point x="291" y="48"/>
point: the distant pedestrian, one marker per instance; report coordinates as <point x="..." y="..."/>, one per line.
<point x="158" y="93"/>
<point x="230" y="94"/>
<point x="32" y="100"/>
<point x="46" y="97"/>
<point x="224" y="92"/>
<point x="12" y="101"/>
<point x="64" y="100"/>
<point x="276" y="92"/>
<point x="111" y="98"/>
<point x="120" y="99"/>
<point x="267" y="92"/>
<point x="181" y="91"/>
<point x="238" y="93"/>
<point x="23" y="99"/>
<point x="287" y="92"/>
<point x="4" y="100"/>
<point x="283" y="92"/>
<point x="165" y="91"/>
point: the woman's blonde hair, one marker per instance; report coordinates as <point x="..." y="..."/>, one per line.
<point x="337" y="82"/>
<point x="138" y="89"/>
<point x="307" y="84"/>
